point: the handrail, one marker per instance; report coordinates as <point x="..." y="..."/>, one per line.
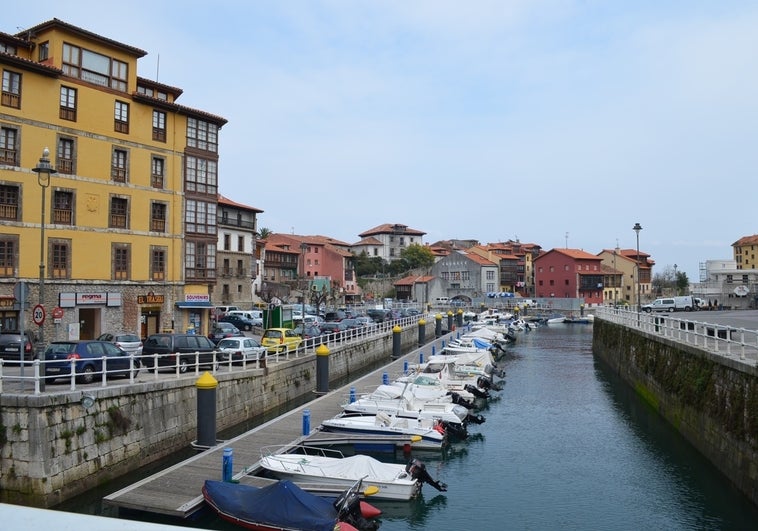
<point x="723" y="340"/>
<point x="12" y="381"/>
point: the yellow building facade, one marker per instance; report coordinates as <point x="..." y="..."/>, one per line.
<point x="128" y="237"/>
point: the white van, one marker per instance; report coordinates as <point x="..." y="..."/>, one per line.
<point x="670" y="304"/>
<point x="442" y="301"/>
<point x="256" y="316"/>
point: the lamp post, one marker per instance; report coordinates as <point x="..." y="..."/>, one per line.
<point x="676" y="282"/>
<point x="43" y="170"/>
<point x="615" y="277"/>
<point x="637" y="228"/>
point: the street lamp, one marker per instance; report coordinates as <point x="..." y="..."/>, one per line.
<point x="43" y="170"/>
<point x="615" y="277"/>
<point x="676" y="282"/>
<point x="637" y="228"/>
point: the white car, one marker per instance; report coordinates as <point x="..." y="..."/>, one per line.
<point x="238" y="348"/>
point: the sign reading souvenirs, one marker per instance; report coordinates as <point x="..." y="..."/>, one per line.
<point x="150" y="298"/>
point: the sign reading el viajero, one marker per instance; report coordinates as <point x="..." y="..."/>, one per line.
<point x="150" y="298"/>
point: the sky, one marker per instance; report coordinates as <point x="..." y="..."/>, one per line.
<point x="556" y="122"/>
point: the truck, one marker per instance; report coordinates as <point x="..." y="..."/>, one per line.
<point x="684" y="303"/>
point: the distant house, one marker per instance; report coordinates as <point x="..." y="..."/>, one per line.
<point x="570" y="274"/>
<point x="387" y="241"/>
<point x="464" y="276"/>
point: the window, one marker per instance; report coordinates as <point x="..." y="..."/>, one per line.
<point x="241" y="244"/>
<point x="8" y="146"/>
<point x="119" y="213"/>
<point x="121" y="117"/>
<point x="68" y="104"/>
<point x="240" y="269"/>
<point x="227" y="242"/>
<point x="11" y="89"/>
<point x="200" y="260"/>
<point x="94" y="67"/>
<point x="226" y="268"/>
<point x="202" y="135"/>
<point x="63" y="207"/>
<point x="43" y="51"/>
<point x="157" y="172"/>
<point x="64" y="160"/>
<point x="8" y="247"/>
<point x="201" y="176"/>
<point x="148" y="91"/>
<point x="9" y="202"/>
<point x="119" y="166"/>
<point x="60" y="258"/>
<point x="120" y="261"/>
<point x="201" y="217"/>
<point x="158" y="217"/>
<point x="159" y="126"/>
<point x="158" y="263"/>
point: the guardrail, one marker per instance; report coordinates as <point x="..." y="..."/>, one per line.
<point x="15" y="376"/>
<point x="720" y="339"/>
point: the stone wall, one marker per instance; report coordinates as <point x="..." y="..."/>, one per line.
<point x="711" y="400"/>
<point x="53" y="448"/>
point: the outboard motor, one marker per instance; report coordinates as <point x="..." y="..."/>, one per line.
<point x="455" y="430"/>
<point x="483" y="382"/>
<point x="476" y="419"/>
<point x="348" y="506"/>
<point x="417" y="470"/>
<point x="458" y="399"/>
<point x="474" y="390"/>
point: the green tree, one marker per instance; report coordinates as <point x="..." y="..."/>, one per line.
<point x="416" y="256"/>
<point x="264" y="233"/>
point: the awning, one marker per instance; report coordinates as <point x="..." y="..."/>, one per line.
<point x="194" y="305"/>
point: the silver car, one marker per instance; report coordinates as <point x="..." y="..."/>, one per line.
<point x="238" y="348"/>
<point x="129" y="343"/>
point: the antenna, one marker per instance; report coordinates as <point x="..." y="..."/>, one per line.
<point x="158" y="67"/>
<point x="567" y="240"/>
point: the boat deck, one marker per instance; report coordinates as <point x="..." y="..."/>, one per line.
<point x="177" y="490"/>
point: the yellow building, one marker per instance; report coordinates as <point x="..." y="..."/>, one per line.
<point x="128" y="235"/>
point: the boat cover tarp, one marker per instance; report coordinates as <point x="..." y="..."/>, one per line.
<point x="281" y="504"/>
<point x="480" y="343"/>
<point x="351" y="468"/>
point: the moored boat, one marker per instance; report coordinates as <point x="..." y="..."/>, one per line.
<point x="283" y="506"/>
<point x="421" y="434"/>
<point x="319" y="468"/>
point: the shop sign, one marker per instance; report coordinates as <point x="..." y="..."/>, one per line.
<point x="196" y="297"/>
<point x="150" y="298"/>
<point x="91" y="298"/>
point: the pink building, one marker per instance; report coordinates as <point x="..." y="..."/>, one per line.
<point x="569" y="274"/>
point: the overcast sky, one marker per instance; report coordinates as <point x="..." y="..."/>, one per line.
<point x="552" y="122"/>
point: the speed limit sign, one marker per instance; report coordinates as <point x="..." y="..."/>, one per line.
<point x="38" y="314"/>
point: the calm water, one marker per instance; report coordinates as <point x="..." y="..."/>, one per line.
<point x="565" y="446"/>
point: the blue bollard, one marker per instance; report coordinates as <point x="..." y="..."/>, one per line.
<point x="443" y="343"/>
<point x="421" y="356"/>
<point x="352" y="395"/>
<point x="405" y="367"/>
<point x="306" y="422"/>
<point x="227" y="465"/>
<point x="385" y="378"/>
<point x="433" y="347"/>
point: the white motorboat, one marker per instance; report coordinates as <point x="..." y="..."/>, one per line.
<point x="421" y="434"/>
<point x="320" y="470"/>
<point x="400" y="401"/>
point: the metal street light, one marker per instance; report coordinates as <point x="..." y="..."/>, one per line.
<point x="43" y="170"/>
<point x="637" y="228"/>
<point x="615" y="277"/>
<point x="304" y="285"/>
<point x="676" y="282"/>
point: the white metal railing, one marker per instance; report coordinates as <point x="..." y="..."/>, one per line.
<point x="721" y="339"/>
<point x="28" y="376"/>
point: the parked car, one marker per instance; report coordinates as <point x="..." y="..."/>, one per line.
<point x="11" y="345"/>
<point x="366" y="322"/>
<point x="350" y="323"/>
<point x="332" y="330"/>
<point x="280" y="340"/>
<point x="87" y="356"/>
<point x="130" y="343"/>
<point x="172" y="350"/>
<point x="236" y="320"/>
<point x="239" y="349"/>
<point x="256" y="316"/>
<point x="379" y="316"/>
<point x="311" y="334"/>
<point x="335" y="315"/>
<point x="223" y="330"/>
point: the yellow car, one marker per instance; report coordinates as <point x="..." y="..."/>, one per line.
<point x="281" y="340"/>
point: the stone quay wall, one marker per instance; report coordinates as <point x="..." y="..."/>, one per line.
<point x="710" y="399"/>
<point x="53" y="448"/>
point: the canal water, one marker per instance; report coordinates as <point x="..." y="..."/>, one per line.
<point x="566" y="445"/>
